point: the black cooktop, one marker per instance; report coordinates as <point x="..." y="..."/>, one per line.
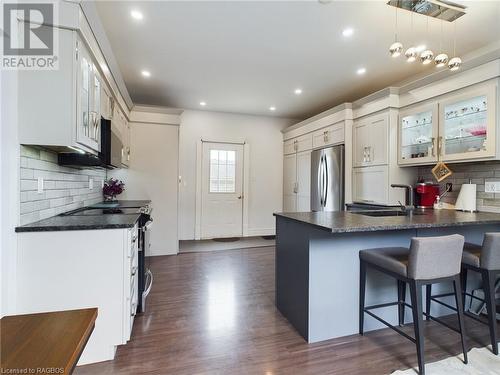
<point x="86" y="211"/>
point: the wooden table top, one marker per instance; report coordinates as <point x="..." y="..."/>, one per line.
<point x="45" y="341"/>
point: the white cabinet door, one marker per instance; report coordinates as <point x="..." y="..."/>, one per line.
<point x="304" y="181"/>
<point x="289" y="146"/>
<point x="328" y="136"/>
<point x="304" y="143"/>
<point x="370" y="185"/>
<point x="418" y="135"/>
<point x="370" y="141"/>
<point x="467" y="125"/>
<point x="290" y="183"/>
<point x="86" y="118"/>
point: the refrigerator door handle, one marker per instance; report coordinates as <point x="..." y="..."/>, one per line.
<point x="320" y="181"/>
<point x="325" y="196"/>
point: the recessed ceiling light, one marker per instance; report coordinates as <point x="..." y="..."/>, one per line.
<point x="136" y="15"/>
<point x="203" y="104"/>
<point x="146" y="74"/>
<point x="348" y="32"/>
<point x="272" y="108"/>
<point x="298" y="91"/>
<point x="361" y="71"/>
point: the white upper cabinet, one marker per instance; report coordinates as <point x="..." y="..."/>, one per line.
<point x="61" y="108"/>
<point x="455" y="127"/>
<point x="370" y="141"/>
<point x="88" y="121"/>
<point x="418" y="135"/>
<point x="467" y="126"/>
<point x="328" y="136"/>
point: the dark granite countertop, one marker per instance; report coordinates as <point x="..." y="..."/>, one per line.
<point x="123" y="203"/>
<point x="61" y="223"/>
<point x="348" y="222"/>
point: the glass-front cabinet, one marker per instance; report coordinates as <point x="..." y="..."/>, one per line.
<point x="467" y="125"/>
<point x="418" y="133"/>
<point x="459" y="127"/>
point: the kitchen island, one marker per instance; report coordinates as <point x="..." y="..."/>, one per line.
<point x="317" y="263"/>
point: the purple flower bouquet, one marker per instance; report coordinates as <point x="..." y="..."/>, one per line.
<point x="112" y="188"/>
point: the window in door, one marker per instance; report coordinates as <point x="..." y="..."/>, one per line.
<point x="222" y="171"/>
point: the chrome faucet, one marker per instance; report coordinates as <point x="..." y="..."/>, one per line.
<point x="409" y="205"/>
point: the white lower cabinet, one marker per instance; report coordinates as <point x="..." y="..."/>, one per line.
<point x="297" y="182"/>
<point x="289" y="183"/>
<point x="304" y="181"/>
<point x="79" y="269"/>
<point x="371" y="185"/>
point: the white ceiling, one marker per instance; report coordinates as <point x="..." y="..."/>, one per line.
<point x="247" y="56"/>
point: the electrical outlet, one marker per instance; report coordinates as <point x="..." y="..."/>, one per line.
<point x="492" y="186"/>
<point x="40" y="185"/>
<point x="91" y="184"/>
<point x="449" y="187"/>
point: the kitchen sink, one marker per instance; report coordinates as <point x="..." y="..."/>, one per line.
<point x="388" y="213"/>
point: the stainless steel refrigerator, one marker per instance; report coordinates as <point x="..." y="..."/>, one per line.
<point x="327" y="179"/>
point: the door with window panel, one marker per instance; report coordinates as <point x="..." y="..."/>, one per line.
<point x="467" y="125"/>
<point x="222" y="190"/>
<point x="418" y="135"/>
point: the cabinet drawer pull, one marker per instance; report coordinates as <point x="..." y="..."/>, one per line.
<point x="440" y="146"/>
<point x="433" y="151"/>
<point x="134" y="271"/>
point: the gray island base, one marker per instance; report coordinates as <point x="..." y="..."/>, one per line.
<point x="317" y="265"/>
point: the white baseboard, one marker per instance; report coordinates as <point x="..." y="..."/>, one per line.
<point x="252" y="232"/>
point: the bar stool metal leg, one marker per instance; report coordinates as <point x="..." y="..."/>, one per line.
<point x="428" y="293"/>
<point x="416" y="302"/>
<point x="362" y="289"/>
<point x="460" y="312"/>
<point x="401" y="301"/>
<point x="463" y="278"/>
<point x="489" y="294"/>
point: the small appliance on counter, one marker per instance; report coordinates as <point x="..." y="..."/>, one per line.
<point x="466" y="200"/>
<point x="425" y="194"/>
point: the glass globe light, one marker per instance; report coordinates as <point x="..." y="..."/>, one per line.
<point x="395" y="49"/>
<point x="441" y="60"/>
<point x="427" y="57"/>
<point x="455" y="63"/>
<point x="411" y="54"/>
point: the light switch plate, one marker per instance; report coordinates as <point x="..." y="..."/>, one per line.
<point x="40" y="185"/>
<point x="492" y="186"/>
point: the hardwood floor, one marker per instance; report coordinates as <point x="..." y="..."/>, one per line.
<point x="214" y="313"/>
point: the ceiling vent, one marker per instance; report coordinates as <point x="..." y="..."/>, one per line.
<point x="443" y="10"/>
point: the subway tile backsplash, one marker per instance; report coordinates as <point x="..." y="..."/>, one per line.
<point x="478" y="173"/>
<point x="64" y="189"/>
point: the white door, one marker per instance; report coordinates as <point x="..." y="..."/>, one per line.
<point x="222" y="190"/>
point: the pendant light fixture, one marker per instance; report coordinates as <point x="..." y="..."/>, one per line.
<point x="397" y="47"/>
<point x="456" y="62"/>
<point x="427" y="56"/>
<point x="411" y="53"/>
<point x="441" y="59"/>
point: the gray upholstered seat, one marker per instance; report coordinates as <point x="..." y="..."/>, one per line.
<point x="485" y="256"/>
<point x="428" y="257"/>
<point x="394" y="259"/>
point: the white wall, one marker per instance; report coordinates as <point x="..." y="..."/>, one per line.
<point x="9" y="191"/>
<point x="153" y="175"/>
<point x="263" y="134"/>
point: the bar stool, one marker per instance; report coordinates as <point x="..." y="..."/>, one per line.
<point x="485" y="260"/>
<point x="429" y="260"/>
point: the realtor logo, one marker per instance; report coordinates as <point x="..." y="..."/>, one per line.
<point x="28" y="36"/>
